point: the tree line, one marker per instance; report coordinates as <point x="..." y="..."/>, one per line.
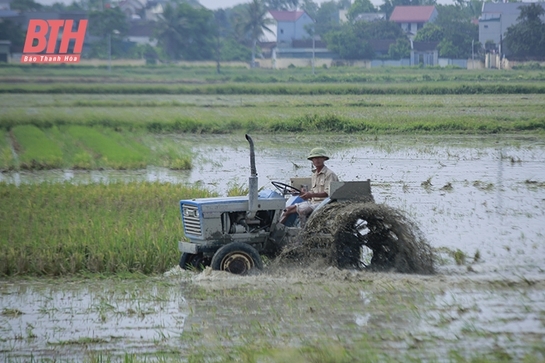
<point x="187" y="31"/>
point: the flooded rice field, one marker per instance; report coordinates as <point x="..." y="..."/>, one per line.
<point x="480" y="200"/>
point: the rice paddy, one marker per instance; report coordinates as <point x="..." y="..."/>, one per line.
<point x="56" y="229"/>
<point x="88" y="226"/>
<point x="227" y="114"/>
<point x="28" y="147"/>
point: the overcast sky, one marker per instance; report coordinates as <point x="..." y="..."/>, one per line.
<point x="216" y="4"/>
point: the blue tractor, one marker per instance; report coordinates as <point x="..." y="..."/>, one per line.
<point x="232" y="233"/>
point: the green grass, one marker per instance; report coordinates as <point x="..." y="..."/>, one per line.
<point x="374" y="114"/>
<point x="192" y="74"/>
<point x="7" y="161"/>
<point x="58" y="229"/>
<point x="111" y="150"/>
<point x="35" y="149"/>
<point x="406" y="88"/>
<point x="99" y="119"/>
<point x="81" y="147"/>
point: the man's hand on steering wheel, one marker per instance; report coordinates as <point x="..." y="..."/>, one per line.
<point x="286" y="189"/>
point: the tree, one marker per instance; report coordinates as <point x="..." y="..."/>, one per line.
<point x="526" y="39"/>
<point x="102" y="23"/>
<point x="281" y="4"/>
<point x="360" y="7"/>
<point x="459" y="32"/>
<point x="429" y="33"/>
<point x="11" y="31"/>
<point x="327" y="18"/>
<point x="310" y="7"/>
<point x="352" y="41"/>
<point x="26" y="5"/>
<point x="400" y="49"/>
<point x="110" y="25"/>
<point x="349" y="44"/>
<point x="256" y="24"/>
<point x="185" y="32"/>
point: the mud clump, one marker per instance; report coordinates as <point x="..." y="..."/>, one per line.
<point x="361" y="235"/>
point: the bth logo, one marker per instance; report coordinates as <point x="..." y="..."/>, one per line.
<point x="37" y="41"/>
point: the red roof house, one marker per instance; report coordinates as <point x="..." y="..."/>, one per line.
<point x="412" y="18"/>
<point x="290" y="25"/>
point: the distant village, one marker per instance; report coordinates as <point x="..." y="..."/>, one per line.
<point x="335" y="32"/>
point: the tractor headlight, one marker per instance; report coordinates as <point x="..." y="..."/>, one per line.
<point x="191" y="213"/>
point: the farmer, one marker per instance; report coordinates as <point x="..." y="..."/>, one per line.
<point x="322" y="177"/>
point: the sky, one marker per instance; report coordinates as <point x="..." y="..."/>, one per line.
<point x="217" y="4"/>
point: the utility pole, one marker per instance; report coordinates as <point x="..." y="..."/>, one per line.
<point x="313" y="52"/>
<point x="110" y="52"/>
<point x="472" y="54"/>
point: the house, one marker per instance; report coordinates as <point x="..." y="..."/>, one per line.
<point x="413" y="18"/>
<point x="369" y="17"/>
<point x="289" y="26"/>
<point x="141" y="32"/>
<point x="5" y="51"/>
<point x="495" y="19"/>
<point x="132" y="8"/>
<point x="424" y="53"/>
<point x="6" y="12"/>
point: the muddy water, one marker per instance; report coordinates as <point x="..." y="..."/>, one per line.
<point x="484" y="196"/>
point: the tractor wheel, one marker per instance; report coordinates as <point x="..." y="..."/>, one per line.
<point x="196" y="262"/>
<point x="367" y="235"/>
<point x="237" y="258"/>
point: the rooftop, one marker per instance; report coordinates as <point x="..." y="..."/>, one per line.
<point x="412" y="14"/>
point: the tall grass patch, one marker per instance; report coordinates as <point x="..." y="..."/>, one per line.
<point x="110" y="149"/>
<point x="35" y="149"/>
<point x="58" y="229"/>
<point x="88" y="148"/>
<point x="7" y="161"/>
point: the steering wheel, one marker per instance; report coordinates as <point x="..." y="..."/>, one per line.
<point x="285" y="189"/>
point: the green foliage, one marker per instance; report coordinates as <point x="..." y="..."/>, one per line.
<point x="186" y="32"/>
<point x="110" y="21"/>
<point x="36" y="150"/>
<point x="234" y="51"/>
<point x="429" y="33"/>
<point x="359" y="7"/>
<point x="6" y="156"/>
<point x="401" y="49"/>
<point x="458" y="32"/>
<point x="526" y="39"/>
<point x="60" y="229"/>
<point x="348" y="44"/>
<point x="26" y="5"/>
<point x="256" y="23"/>
<point x="351" y="41"/>
<point x="327" y="18"/>
<point x="11" y="31"/>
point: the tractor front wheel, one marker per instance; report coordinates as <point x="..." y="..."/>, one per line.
<point x="237" y="258"/>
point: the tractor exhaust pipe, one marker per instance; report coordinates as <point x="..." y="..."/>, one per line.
<point x="252" y="184"/>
